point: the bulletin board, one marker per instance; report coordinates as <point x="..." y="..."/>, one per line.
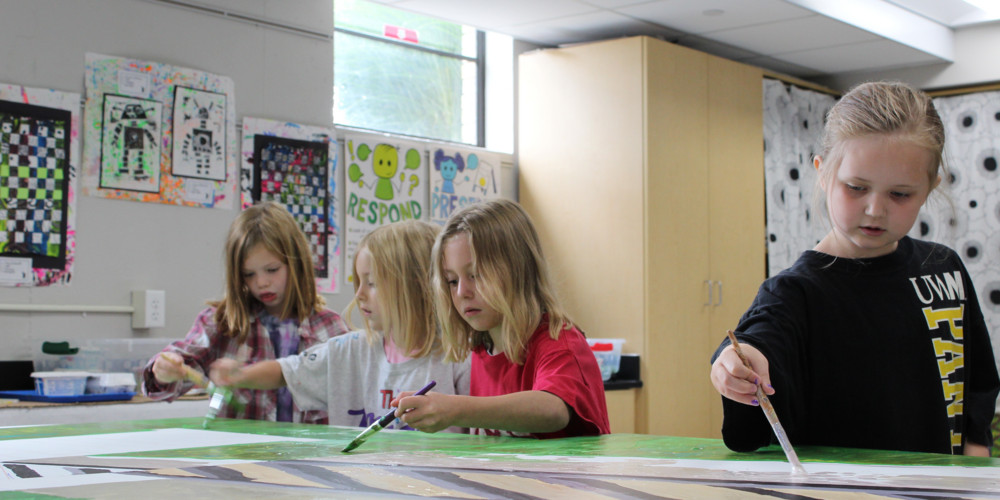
<point x="158" y="133"/>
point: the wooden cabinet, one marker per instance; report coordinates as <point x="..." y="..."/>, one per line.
<point x="641" y="163"/>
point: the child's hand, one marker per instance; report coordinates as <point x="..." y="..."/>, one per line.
<point x="168" y="368"/>
<point x="427" y="413"/>
<point x="225" y="372"/>
<point x="737" y="382"/>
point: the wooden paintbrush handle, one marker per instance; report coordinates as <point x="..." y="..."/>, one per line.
<point x="193" y="375"/>
<point x="736" y="347"/>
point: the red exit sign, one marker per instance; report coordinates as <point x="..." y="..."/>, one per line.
<point x="406" y="35"/>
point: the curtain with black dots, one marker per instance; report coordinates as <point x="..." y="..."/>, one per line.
<point x="793" y="133"/>
<point x="965" y="213"/>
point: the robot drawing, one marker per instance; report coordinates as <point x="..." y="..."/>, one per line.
<point x="133" y="137"/>
<point x="199" y="144"/>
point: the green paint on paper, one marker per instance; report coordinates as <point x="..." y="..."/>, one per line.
<point x="23" y="495"/>
<point x="332" y="439"/>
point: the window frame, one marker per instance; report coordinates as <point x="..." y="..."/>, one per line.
<point x="479" y="60"/>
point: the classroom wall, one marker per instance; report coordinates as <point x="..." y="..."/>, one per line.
<point x="123" y="245"/>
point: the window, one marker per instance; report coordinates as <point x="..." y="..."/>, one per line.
<point x="405" y="73"/>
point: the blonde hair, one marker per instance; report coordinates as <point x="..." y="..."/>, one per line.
<point x="891" y="109"/>
<point x="401" y="256"/>
<point x="511" y="277"/>
<point x="268" y="224"/>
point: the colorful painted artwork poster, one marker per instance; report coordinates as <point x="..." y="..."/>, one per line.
<point x="193" y="183"/>
<point x="240" y="458"/>
<point x="39" y="155"/>
<point x="130" y="144"/>
<point x="460" y="177"/>
<point x="200" y="129"/>
<point x="386" y="183"/>
<point x="296" y="165"/>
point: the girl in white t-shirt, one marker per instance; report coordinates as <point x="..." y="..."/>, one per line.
<point x="355" y="376"/>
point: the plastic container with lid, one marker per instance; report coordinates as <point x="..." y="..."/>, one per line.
<point x="609" y="355"/>
<point x="60" y="383"/>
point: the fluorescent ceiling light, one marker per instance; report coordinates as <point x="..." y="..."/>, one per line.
<point x="990" y="6"/>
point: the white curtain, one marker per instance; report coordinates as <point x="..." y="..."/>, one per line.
<point x="793" y="130"/>
<point x="965" y="215"/>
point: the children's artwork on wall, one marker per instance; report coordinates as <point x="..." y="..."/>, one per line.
<point x="130" y="144"/>
<point x="206" y="118"/>
<point x="793" y="132"/>
<point x="296" y="165"/>
<point x="386" y="182"/>
<point x="461" y="177"/>
<point x="200" y="129"/>
<point x="965" y="215"/>
<point x="39" y="155"/>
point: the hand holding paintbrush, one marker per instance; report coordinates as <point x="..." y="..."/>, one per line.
<point x="769" y="413"/>
<point x="170" y="367"/>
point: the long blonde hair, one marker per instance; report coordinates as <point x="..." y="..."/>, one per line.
<point x="268" y="224"/>
<point x="401" y="256"/>
<point x="891" y="109"/>
<point x="511" y="277"/>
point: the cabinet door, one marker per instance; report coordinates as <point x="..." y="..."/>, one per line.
<point x="581" y="177"/>
<point x="674" y="400"/>
<point x="580" y="156"/>
<point x="735" y="202"/>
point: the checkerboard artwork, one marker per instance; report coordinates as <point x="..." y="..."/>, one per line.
<point x="293" y="173"/>
<point x="34" y="170"/>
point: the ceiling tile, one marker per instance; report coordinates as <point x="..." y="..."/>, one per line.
<point x="689" y="17"/>
<point x="497" y="15"/>
<point x="599" y="25"/>
<point x="614" y="4"/>
<point x="879" y="54"/>
<point x="811" y="32"/>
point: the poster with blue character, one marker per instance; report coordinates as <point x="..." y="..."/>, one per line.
<point x="459" y="177"/>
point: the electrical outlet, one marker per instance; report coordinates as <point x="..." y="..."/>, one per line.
<point x="149" y="308"/>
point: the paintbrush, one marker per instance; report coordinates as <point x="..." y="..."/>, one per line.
<point x="772" y="416"/>
<point x="382" y="422"/>
<point x="189" y="372"/>
<point x="221" y="396"/>
<point x="196" y="378"/>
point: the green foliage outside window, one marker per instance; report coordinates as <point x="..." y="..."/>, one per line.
<point x="395" y="86"/>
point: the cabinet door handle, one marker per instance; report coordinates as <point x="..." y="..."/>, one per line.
<point x="719" y="303"/>
<point x="710" y="283"/>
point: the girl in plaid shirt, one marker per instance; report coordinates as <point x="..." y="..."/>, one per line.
<point x="270" y="309"/>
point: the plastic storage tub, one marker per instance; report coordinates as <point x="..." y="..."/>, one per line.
<point x="110" y="383"/>
<point x="67" y="383"/>
<point x="104" y="355"/>
<point x="609" y="355"/>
